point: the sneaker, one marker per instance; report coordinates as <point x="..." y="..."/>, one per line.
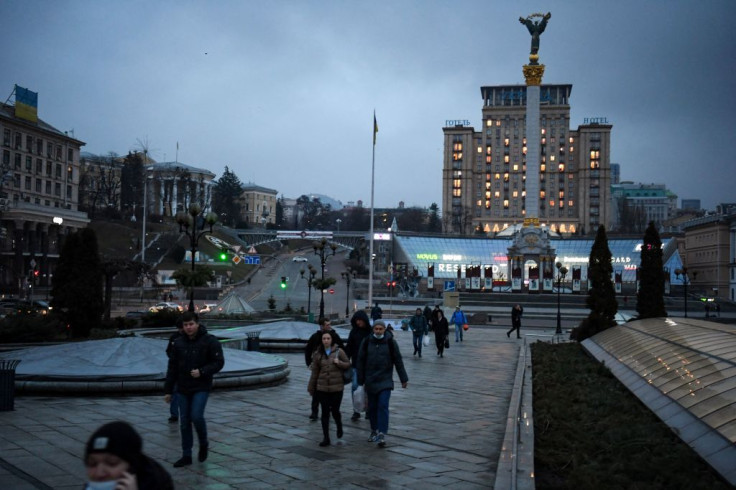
<point x="373" y="437"/>
<point x="203" y="452"/>
<point x="173" y="419"/>
<point x="381" y="439"/>
<point x="183" y="461"/>
<point x="356" y="416"/>
<point x="324" y="443"/>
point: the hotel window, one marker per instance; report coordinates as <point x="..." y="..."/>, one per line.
<point x="562" y="195"/>
<point x="27" y="183"/>
<point x="29" y="163"/>
<point x="551" y="203"/>
<point x="456" y="156"/>
<point x="49" y="149"/>
<point x="570" y="203"/>
<point x="38" y="185"/>
<point x="497" y="194"/>
<point x="542" y="194"/>
<point x="39" y="166"/>
<point x="506" y="159"/>
<point x="552" y="158"/>
<point x="48" y="187"/>
<point x="18" y="141"/>
<point x="16" y="181"/>
<point x="498" y="122"/>
<point x="515" y="194"/>
<point x="57" y="189"/>
<point x="506" y="142"/>
<point x="506" y="203"/>
<point x="457" y="193"/>
<point x="58" y="170"/>
<point x="48" y="168"/>
<point x="489" y="159"/>
<point x="489" y="122"/>
<point x="542" y="167"/>
<point x="544" y="131"/>
<point x="544" y="141"/>
<point x="561" y="167"/>
<point x="456" y="184"/>
<point x="506" y="177"/>
<point x="29" y="143"/>
<point x="39" y="146"/>
<point x="16" y="164"/>
<point x="516" y="167"/>
<point x="6" y="137"/>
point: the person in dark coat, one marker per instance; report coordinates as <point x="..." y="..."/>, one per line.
<point x="376" y="312"/>
<point x="419" y="329"/>
<point x="428" y="317"/>
<point x="516" y="313"/>
<point x="361" y="329"/>
<point x="114" y="454"/>
<point x="195" y="358"/>
<point x="441" y="332"/>
<point x="378" y="356"/>
<point x="174" y="404"/>
<point x="312" y="345"/>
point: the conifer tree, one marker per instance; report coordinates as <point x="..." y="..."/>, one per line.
<point x="601" y="297"/>
<point x="650" y="297"/>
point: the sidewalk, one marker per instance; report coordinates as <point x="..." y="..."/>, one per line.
<point x="446" y="429"/>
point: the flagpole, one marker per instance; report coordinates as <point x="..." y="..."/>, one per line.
<point x="373" y="180"/>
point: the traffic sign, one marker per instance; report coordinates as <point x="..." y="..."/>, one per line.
<point x="332" y="291"/>
<point x="449" y="285"/>
<point x="237" y="259"/>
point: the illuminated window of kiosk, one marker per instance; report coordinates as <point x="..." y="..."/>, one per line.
<point x="382" y="236"/>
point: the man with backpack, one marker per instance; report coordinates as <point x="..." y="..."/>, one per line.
<point x="378" y="356"/>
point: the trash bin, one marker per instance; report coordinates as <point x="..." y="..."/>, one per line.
<point x="7" y="383"/>
<point x="254" y="341"/>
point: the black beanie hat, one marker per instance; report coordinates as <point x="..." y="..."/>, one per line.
<point x="117" y="438"/>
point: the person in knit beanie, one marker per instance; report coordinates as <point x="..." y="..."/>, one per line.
<point x="114" y="460"/>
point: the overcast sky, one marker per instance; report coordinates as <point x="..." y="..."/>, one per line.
<point x="283" y="92"/>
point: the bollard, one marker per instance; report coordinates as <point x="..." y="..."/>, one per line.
<point x="254" y="342"/>
<point x="7" y="384"/>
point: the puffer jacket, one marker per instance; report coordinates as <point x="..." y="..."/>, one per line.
<point x="357" y="334"/>
<point x="203" y="352"/>
<point x="375" y="364"/>
<point x="326" y="375"/>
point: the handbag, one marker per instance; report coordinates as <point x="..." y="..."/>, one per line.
<point x="447" y="343"/>
<point x="466" y="326"/>
<point x="347" y="374"/>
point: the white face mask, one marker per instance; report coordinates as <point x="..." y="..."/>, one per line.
<point x="101" y="485"/>
<point x="379" y="337"/>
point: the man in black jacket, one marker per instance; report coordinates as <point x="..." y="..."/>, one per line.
<point x="361" y="329"/>
<point x="313" y="344"/>
<point x="195" y="358"/>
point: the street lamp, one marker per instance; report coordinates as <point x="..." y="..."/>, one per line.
<point x="561" y="273"/>
<point x="685" y="281"/>
<point x="348" y="275"/>
<point x="310" y="281"/>
<point x="189" y="220"/>
<point x="338" y="221"/>
<point x="320" y="249"/>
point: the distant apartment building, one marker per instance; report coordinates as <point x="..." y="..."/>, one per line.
<point x="615" y="173"/>
<point x="258" y="205"/>
<point x="484" y="172"/>
<point x="635" y="205"/>
<point x="39" y="186"/>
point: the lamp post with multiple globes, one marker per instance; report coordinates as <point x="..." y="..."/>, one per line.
<point x="322" y="250"/>
<point x="189" y="223"/>
<point x="348" y="275"/>
<point x="561" y="273"/>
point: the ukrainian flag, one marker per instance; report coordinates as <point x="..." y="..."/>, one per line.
<point x="26" y="104"/>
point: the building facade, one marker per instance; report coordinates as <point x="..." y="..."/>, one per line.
<point x="39" y="188"/>
<point x="172" y="186"/>
<point x="709" y="254"/>
<point x="635" y="205"/>
<point x="484" y="172"/>
<point x="258" y="205"/>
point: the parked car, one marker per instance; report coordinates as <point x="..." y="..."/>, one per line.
<point x="300" y="258"/>
<point x="31" y="307"/>
<point x="165" y="305"/>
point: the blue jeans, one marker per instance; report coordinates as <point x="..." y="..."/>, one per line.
<point x="417" y="341"/>
<point x="191" y="410"/>
<point x="458" y="332"/>
<point x="378" y="410"/>
<point x="174" y="405"/>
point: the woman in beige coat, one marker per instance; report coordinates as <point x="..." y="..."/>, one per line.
<point x="326" y="382"/>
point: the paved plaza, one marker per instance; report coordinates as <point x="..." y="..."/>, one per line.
<point x="446" y="429"/>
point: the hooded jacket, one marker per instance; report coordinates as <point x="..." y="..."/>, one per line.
<point x="376" y="364"/>
<point x="356" y="336"/>
<point x="326" y="375"/>
<point x="203" y="352"/>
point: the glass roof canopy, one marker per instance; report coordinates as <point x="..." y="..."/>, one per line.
<point x="448" y="253"/>
<point x="684" y="370"/>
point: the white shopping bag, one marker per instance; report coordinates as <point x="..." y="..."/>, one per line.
<point x="360" y="402"/>
<point x="425" y="340"/>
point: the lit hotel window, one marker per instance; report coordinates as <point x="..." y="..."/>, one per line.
<point x="497" y="194"/>
<point x="457" y="193"/>
<point x="572" y="149"/>
<point x="562" y="195"/>
<point x="456" y="183"/>
<point x="479" y="202"/>
<point x="506" y="142"/>
<point x="544" y="131"/>
<point x="516" y="167"/>
<point x="457" y="156"/>
<point x="561" y="167"/>
<point x="552" y="158"/>
<point x="498" y="122"/>
<point x="571" y="140"/>
<point x="523" y="193"/>
<point x="480" y="149"/>
<point x="569" y="203"/>
<point x="523" y="150"/>
<point x="515" y="194"/>
<point x="542" y="194"/>
<point x="542" y="167"/>
<point x="551" y="203"/>
<point x="489" y="122"/>
<point x="488" y="149"/>
<point x="457" y="147"/>
<point x="506" y="203"/>
<point x="544" y="141"/>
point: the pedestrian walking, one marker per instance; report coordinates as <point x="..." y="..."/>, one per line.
<point x="326" y="383"/>
<point x="419" y="329"/>
<point x="458" y="319"/>
<point x="195" y="358"/>
<point x="441" y="333"/>
<point x="516" y="312"/>
<point x="361" y="329"/>
<point x="312" y="345"/>
<point x="114" y="459"/>
<point x="376" y="312"/>
<point x="174" y="404"/>
<point x="428" y="316"/>
<point x="379" y="355"/>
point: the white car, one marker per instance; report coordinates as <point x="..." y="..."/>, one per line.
<point x="207" y="308"/>
<point x="299" y="258"/>
<point x="165" y="305"/>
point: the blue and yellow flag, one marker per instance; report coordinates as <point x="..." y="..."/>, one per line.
<point x="375" y="127"/>
<point x="26" y="104"/>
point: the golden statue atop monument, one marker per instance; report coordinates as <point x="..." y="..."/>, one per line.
<point x="536" y="28"/>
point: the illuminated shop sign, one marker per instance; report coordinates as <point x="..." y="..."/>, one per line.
<point x="462" y="267"/>
<point x="452" y="258"/>
<point x="427" y="256"/>
<point x="382" y="236"/>
<point x="584" y="260"/>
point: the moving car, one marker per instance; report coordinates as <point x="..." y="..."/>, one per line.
<point x="300" y="258"/>
<point x="165" y="305"/>
<point x="207" y="308"/>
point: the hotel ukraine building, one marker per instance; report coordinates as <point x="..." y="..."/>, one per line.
<point x="484" y="172"/>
